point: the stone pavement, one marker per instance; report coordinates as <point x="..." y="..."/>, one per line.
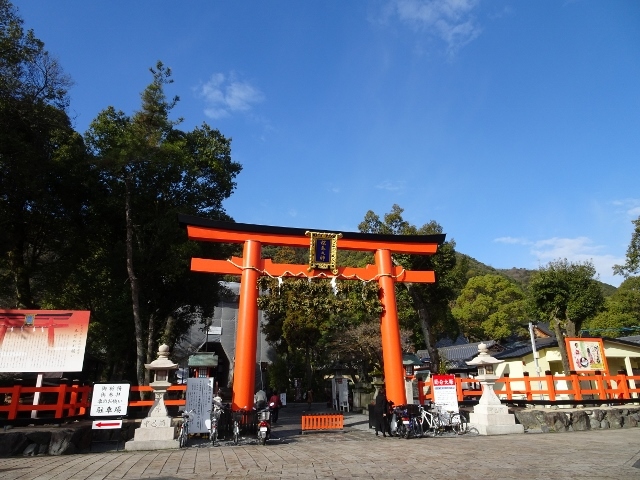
<point x="358" y="453"/>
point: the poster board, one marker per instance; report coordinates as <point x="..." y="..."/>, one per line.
<point x="586" y="354"/>
<point x="109" y="400"/>
<point x="42" y="340"/>
<point x="199" y="399"/>
<point x="444" y="392"/>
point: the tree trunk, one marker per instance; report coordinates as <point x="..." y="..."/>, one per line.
<point x="571" y="329"/>
<point x="425" y="325"/>
<point x="135" y="287"/>
<point x="307" y="359"/>
<point x="21" y="277"/>
<point x="561" y="345"/>
<point x="150" y="350"/>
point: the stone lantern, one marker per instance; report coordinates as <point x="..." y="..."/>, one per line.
<point x="156" y="431"/>
<point x="490" y="417"/>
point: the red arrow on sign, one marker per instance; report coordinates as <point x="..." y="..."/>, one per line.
<point x="107" y="424"/>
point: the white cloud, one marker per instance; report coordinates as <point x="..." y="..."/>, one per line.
<point x="391" y="186"/>
<point x="579" y="249"/>
<point x="513" y="241"/>
<point x="452" y="21"/>
<point x="225" y="95"/>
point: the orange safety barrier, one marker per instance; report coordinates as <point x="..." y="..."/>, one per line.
<point x="322" y="421"/>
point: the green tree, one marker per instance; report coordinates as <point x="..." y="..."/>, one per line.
<point x="632" y="264"/>
<point x="152" y="171"/>
<point x="490" y="307"/>
<point x="45" y="180"/>
<point x="304" y="316"/>
<point x="621" y="313"/>
<point x="426" y="303"/>
<point x="566" y="295"/>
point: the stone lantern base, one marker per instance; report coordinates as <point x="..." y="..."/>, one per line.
<point x="494" y="420"/>
<point x="155" y="433"/>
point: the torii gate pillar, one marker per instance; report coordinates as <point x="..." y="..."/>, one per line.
<point x="244" y="369"/>
<point x="390" y="330"/>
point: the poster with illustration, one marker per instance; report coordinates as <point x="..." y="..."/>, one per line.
<point x="42" y="340"/>
<point x="586" y="354"/>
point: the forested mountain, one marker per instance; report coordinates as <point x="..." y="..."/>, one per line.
<point x="521" y="276"/>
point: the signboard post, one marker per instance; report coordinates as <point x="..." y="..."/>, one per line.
<point x="109" y="400"/>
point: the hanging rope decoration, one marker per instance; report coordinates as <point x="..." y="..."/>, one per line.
<point x="301" y="274"/>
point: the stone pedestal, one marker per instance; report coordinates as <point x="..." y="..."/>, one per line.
<point x="155" y="433"/>
<point x="494" y="420"/>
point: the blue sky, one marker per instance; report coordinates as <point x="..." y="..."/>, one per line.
<point x="515" y="125"/>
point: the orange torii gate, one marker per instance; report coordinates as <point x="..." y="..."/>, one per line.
<point x="322" y="265"/>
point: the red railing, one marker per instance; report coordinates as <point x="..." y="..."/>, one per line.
<point x="71" y="400"/>
<point x="549" y="388"/>
<point x="64" y="401"/>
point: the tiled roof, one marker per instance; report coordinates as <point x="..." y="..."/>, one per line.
<point x="520" y="349"/>
<point x="632" y="338"/>
<point x="458" y="352"/>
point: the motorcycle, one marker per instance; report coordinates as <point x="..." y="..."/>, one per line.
<point x="264" y="423"/>
<point x="214" y="419"/>
<point x="403" y="423"/>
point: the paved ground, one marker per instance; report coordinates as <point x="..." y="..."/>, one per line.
<point x="357" y="452"/>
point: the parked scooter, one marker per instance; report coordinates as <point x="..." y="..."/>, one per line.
<point x="264" y="423"/>
<point x="212" y="423"/>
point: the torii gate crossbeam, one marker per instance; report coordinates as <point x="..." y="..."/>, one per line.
<point x="251" y="266"/>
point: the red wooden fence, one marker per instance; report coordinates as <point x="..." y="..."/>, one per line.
<point x="73" y="400"/>
<point x="549" y="387"/>
<point x="68" y="401"/>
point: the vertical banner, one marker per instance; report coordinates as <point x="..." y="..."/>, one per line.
<point x="586" y="354"/>
<point x="199" y="399"/>
<point x="444" y="392"/>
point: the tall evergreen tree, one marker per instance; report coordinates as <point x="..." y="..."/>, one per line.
<point x="153" y="171"/>
<point x="44" y="174"/>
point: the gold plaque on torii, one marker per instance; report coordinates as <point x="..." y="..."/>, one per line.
<point x="323" y="250"/>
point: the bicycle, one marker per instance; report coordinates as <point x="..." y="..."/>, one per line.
<point x="214" y="420"/>
<point x="183" y="434"/>
<point x="452" y="420"/>
<point x="236" y="425"/>
<point x="428" y="424"/>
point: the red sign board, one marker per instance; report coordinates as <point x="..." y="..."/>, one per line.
<point x="42" y="340"/>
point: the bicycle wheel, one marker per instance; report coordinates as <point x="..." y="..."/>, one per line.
<point x="420" y="427"/>
<point x="182" y="437"/>
<point x="236" y="432"/>
<point x="435" y="427"/>
<point x="458" y="424"/>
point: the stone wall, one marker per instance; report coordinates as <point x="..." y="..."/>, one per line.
<point x="567" y="420"/>
<point x="63" y="440"/>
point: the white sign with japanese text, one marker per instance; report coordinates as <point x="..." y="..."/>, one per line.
<point x="444" y="392"/>
<point x="109" y="400"/>
<point x="199" y="399"/>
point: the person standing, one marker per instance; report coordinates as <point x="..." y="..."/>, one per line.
<point x="274" y="404"/>
<point x="380" y="412"/>
<point x="309" y="399"/>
